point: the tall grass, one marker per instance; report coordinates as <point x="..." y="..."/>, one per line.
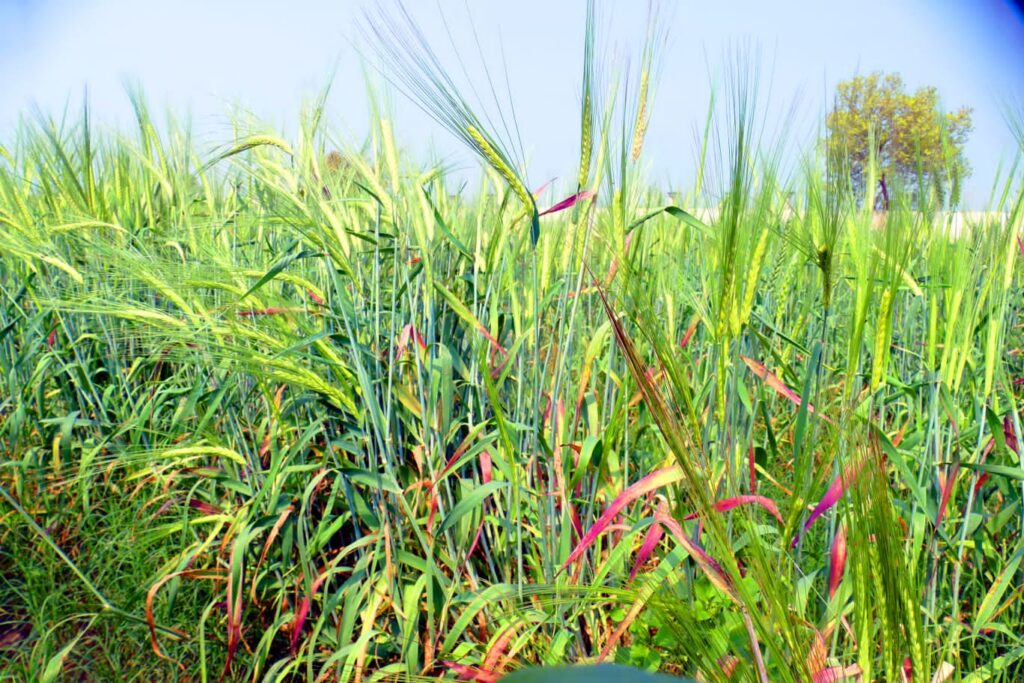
<point x="293" y="410"/>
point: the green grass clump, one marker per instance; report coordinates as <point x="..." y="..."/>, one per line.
<point x="277" y="411"/>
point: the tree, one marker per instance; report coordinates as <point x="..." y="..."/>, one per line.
<point x="918" y="148"/>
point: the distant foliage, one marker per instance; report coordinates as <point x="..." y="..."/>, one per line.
<point x="915" y="144"/>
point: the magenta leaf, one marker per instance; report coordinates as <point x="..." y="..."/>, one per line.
<point x="730" y="503"/>
<point x="831" y="497"/>
<point x="652" y="482"/>
<point x="651" y="540"/>
<point x="568" y="202"/>
<point x="838" y="562"/>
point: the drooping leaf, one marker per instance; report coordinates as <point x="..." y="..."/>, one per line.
<point x="709" y="566"/>
<point x="281" y="264"/>
<point x="463" y="312"/>
<point x="773" y="381"/>
<point x="568" y="202"/>
<point x="735" y="501"/>
<point x="652" y="482"/>
<point x="832" y="496"/>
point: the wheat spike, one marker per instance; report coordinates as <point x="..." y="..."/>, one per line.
<point x="640" y="129"/>
<point x="881" y="338"/>
<point x="500" y="165"/>
<point x="586" y="142"/>
<point x="753" y="272"/>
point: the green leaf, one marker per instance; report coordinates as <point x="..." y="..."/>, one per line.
<point x="56" y="662"/>
<point x="998" y="470"/>
<point x="998" y="588"/>
<point x="589" y="452"/>
<point x="997" y="665"/>
<point x="443" y="225"/>
<point x="373" y="480"/>
<point x="472" y="501"/>
<point x="677" y="213"/>
<point x="281" y="264"/>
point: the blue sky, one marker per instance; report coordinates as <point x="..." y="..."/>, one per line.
<point x="206" y="57"/>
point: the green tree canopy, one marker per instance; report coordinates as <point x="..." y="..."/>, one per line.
<point x="918" y="147"/>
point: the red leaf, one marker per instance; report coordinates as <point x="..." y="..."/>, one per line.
<point x="832" y="495"/>
<point x="485" y="466"/>
<point x="234" y="609"/>
<point x="689" y="332"/>
<point x="838" y="563"/>
<point x="711" y="569"/>
<point x="495" y="345"/>
<point x="476" y="540"/>
<point x="947" y="489"/>
<point x="652" y="482"/>
<point x="614" y="267"/>
<point x="471" y="673"/>
<point x="539" y="190"/>
<point x="568" y="202"/>
<point x="752" y="466"/>
<point x="834" y="674"/>
<point x="577" y="524"/>
<point x="485" y="476"/>
<point x="302" y="613"/>
<point x="203" y="507"/>
<point x="434" y="501"/>
<point x="408" y="333"/>
<point x="493" y="657"/>
<point x="777" y="384"/>
<point x="299" y="622"/>
<point x="272" y="310"/>
<point x="729" y="503"/>
<point x="651" y="541"/>
<point x="1010" y="434"/>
